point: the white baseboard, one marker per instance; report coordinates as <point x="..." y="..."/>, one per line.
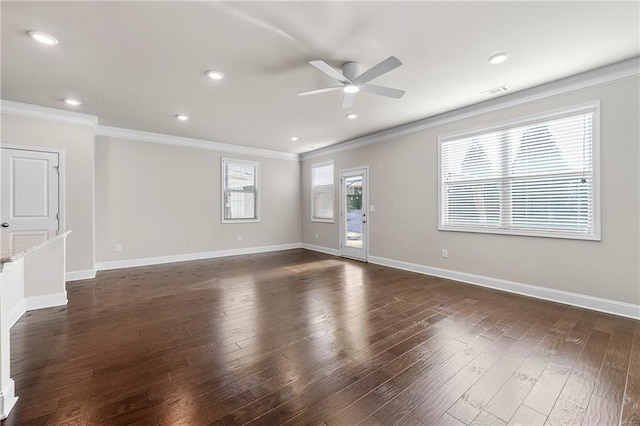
<point x="36" y="302"/>
<point x="326" y="250"/>
<point x="46" y="301"/>
<point x="131" y="263"/>
<point x="595" y="303"/>
<point x="8" y="398"/>
<point x="16" y="313"/>
<point x="80" y="275"/>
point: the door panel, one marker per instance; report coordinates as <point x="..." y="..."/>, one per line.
<point x="30" y="188"/>
<point x="353" y="214"/>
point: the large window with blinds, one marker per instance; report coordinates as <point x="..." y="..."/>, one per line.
<point x="240" y="202"/>
<point x="322" y="206"/>
<point x="534" y="177"/>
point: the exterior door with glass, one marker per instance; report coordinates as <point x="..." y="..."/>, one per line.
<point x="354" y="208"/>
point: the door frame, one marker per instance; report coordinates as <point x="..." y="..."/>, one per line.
<point x="61" y="173"/>
<point x="365" y="209"/>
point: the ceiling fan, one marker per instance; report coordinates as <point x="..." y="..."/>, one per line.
<point x="353" y="81"/>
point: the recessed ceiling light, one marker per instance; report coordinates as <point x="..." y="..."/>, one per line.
<point x="351" y="88"/>
<point x="294" y="138"/>
<point x="73" y="102"/>
<point x="215" y="75"/>
<point x="498" y="58"/>
<point x="352" y="115"/>
<point x="182" y="117"/>
<point x="43" y="38"/>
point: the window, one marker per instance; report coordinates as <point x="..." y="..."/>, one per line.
<point x="239" y="191"/>
<point x="535" y="177"/>
<point x="322" y="192"/>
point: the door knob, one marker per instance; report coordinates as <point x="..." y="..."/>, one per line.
<point x="5" y="225"/>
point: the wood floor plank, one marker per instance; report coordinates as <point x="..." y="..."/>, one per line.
<point x="403" y="404"/>
<point x="565" y="413"/>
<point x="613" y="374"/>
<point x="433" y="404"/>
<point x="507" y="400"/>
<point x="602" y="412"/>
<point x="487" y="419"/>
<point x="398" y="381"/>
<point x="472" y="402"/>
<point x="300" y="337"/>
<point x="525" y="416"/>
<point x="545" y="392"/>
<point x="631" y="400"/>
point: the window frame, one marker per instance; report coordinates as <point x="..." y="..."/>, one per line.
<point x="256" y="165"/>
<point x="333" y="207"/>
<point x="593" y="107"/>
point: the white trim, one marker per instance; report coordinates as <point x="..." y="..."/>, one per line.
<point x="61" y="176"/>
<point x="46" y="301"/>
<point x="256" y="166"/>
<point x="365" y="210"/>
<point x="17" y="312"/>
<point x="47" y="113"/>
<point x="71" y="117"/>
<point x="333" y="183"/>
<point x="320" y="249"/>
<point x="524" y="121"/>
<point x="141" y="136"/>
<point x="132" y="263"/>
<point x="559" y="296"/>
<point x="8" y="398"/>
<point x="505" y="125"/>
<point x="36" y="302"/>
<point x="598" y="77"/>
<point x="87" y="274"/>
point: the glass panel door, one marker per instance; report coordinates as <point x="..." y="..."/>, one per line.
<point x="353" y="228"/>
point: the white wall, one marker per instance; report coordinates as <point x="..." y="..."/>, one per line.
<point x="78" y="142"/>
<point x="161" y="200"/>
<point x="403" y="186"/>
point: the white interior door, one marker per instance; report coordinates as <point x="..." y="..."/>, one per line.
<point x="30" y="189"/>
<point x="354" y="208"/>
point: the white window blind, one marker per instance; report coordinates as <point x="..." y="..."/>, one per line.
<point x="531" y="178"/>
<point x="240" y="190"/>
<point x="322" y="192"/>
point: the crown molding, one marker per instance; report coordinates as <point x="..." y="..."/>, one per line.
<point x="47" y="113"/>
<point x="601" y="76"/>
<point x="141" y="136"/>
<point x="594" y="78"/>
<point x="80" y="119"/>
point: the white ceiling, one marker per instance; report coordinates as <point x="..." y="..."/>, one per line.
<point x="138" y="64"/>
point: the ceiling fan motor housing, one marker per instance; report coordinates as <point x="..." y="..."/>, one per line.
<point x="351" y="70"/>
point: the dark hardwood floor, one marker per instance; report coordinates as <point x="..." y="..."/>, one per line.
<point x="299" y="337"/>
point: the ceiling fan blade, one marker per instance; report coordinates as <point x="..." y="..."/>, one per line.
<point x="347" y="102"/>
<point x="317" y="91"/>
<point x="385" y="66"/>
<point x="384" y="91"/>
<point x="329" y="70"/>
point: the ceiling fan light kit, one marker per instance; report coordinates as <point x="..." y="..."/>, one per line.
<point x="350" y="88"/>
<point x="353" y="81"/>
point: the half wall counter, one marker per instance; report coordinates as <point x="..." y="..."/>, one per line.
<point x="32" y="276"/>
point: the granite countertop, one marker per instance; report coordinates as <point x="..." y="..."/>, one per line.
<point x="15" y="244"/>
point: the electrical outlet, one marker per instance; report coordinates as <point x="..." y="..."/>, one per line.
<point x="239" y="237"/>
<point x="445" y="253"/>
<point x="317" y="236"/>
<point x="118" y="247"/>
